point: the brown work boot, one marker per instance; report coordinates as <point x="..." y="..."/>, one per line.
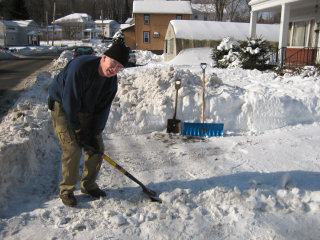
<point x="96" y="193"/>
<point x="69" y="199"/>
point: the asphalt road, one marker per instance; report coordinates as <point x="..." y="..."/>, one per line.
<point x="14" y="72"/>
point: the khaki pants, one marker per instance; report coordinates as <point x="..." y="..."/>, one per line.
<point x="72" y="152"/>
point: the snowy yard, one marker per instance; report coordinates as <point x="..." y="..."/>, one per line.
<point x="260" y="181"/>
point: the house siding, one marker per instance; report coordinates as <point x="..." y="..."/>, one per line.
<point x="2" y="34"/>
<point x="15" y="37"/>
<point x="158" y="23"/>
<point x="129" y="37"/>
<point x="301" y="56"/>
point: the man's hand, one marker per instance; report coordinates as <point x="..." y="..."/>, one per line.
<point x="87" y="141"/>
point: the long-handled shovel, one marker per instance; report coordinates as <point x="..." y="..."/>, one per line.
<point x="202" y="129"/>
<point x="151" y="194"/>
<point x="174" y="125"/>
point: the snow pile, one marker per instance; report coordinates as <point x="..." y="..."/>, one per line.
<point x="25" y="51"/>
<point x="27" y="138"/>
<point x="145" y="100"/>
<point x="258" y="182"/>
<point x="5" y="54"/>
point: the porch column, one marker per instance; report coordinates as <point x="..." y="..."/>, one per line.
<point x="253" y="24"/>
<point x="284" y="29"/>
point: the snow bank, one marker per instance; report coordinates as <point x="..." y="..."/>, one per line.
<point x="27" y="138"/>
<point x="5" y="55"/>
<point x="145" y="99"/>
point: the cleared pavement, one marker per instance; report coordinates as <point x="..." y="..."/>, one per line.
<point x="14" y="72"/>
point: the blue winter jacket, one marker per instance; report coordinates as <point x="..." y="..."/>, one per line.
<point x="80" y="88"/>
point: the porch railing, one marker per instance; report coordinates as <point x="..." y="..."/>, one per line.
<point x="294" y="57"/>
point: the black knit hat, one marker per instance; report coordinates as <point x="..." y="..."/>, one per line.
<point x="118" y="50"/>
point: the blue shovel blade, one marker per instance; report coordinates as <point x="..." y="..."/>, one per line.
<point x="202" y="129"/>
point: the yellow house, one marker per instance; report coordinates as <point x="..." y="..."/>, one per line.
<point x="152" y="18"/>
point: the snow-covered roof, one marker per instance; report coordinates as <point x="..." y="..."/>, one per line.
<point x="24" y="23"/>
<point x="75" y="17"/>
<point x="92" y="30"/>
<point x="33" y="33"/>
<point x="204" y="30"/>
<point x="162" y="6"/>
<point x="129" y="21"/>
<point x="125" y="25"/>
<point x="105" y="21"/>
<point x="18" y="23"/>
<point x="9" y="23"/>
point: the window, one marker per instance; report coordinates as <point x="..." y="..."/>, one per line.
<point x="312" y="33"/>
<point x="179" y="17"/>
<point x="156" y="35"/>
<point x="171" y="46"/>
<point x="11" y="29"/>
<point x="146" y="19"/>
<point x="301" y="34"/>
<point x="146" y="37"/>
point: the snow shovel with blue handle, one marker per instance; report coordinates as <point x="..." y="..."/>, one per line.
<point x="202" y="129"/>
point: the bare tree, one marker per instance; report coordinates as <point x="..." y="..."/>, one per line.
<point x="231" y="9"/>
<point x="220" y="7"/>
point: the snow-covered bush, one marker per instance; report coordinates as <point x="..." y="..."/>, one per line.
<point x="249" y="54"/>
<point x="253" y="53"/>
<point x="226" y="53"/>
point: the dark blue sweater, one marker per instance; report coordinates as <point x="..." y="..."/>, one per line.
<point x="80" y="88"/>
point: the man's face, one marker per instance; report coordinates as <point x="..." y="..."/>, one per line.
<point x="109" y="67"/>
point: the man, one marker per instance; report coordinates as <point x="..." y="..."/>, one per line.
<point x="80" y="98"/>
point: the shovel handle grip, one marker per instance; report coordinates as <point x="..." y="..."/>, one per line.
<point x="177" y="83"/>
<point x="203" y="66"/>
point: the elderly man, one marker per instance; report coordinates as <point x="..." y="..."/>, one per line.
<point x="80" y="98"/>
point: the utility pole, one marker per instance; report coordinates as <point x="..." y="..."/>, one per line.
<point x="47" y="28"/>
<point x="102" y="26"/>
<point x="54" y="19"/>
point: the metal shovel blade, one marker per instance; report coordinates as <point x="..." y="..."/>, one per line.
<point x="174" y="126"/>
<point x="151" y="194"/>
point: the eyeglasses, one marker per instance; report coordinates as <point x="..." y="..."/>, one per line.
<point x="115" y="65"/>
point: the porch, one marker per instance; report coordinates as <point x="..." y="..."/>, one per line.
<point x="288" y="57"/>
<point x="299" y="30"/>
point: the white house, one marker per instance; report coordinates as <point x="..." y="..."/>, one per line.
<point x="299" y="28"/>
<point x="77" y="26"/>
<point x="14" y="33"/>
<point x="183" y="34"/>
<point x="46" y="33"/>
<point x="107" y="26"/>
